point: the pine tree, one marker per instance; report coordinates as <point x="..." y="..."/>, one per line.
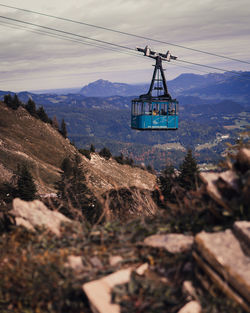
<point x="26" y="188"/>
<point x="55" y="123"/>
<point x="105" y="153"/>
<point x="74" y="192"/>
<point x="63" y="129"/>
<point x="188" y="172"/>
<point x="15" y="102"/>
<point x="7" y="100"/>
<point x="92" y="148"/>
<point x="12" y="102"/>
<point x="42" y="115"/>
<point x="167" y="180"/>
<point x="31" y="107"/>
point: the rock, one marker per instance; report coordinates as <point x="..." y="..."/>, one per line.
<point x="35" y="213"/>
<point x="189" y="290"/>
<point x="191" y="307"/>
<point x="95" y="262"/>
<point x="227" y="179"/>
<point x="99" y="291"/>
<point x="243" y="160"/>
<point x="222" y="258"/>
<point x="115" y="259"/>
<point x="242" y="231"/>
<point x="75" y="262"/>
<point x="173" y="243"/>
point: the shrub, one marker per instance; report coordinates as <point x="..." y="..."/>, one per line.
<point x="105" y="153"/>
<point x="86" y="153"/>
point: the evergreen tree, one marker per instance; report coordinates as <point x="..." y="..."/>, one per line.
<point x="31" y="107"/>
<point x="12" y="102"/>
<point x="8" y="100"/>
<point x="167" y="180"/>
<point x="63" y="129"/>
<point x="188" y="172"/>
<point x="75" y="194"/>
<point x="105" y="153"/>
<point x="15" y="102"/>
<point x="66" y="167"/>
<point x="42" y="115"/>
<point x="26" y="188"/>
<point x="92" y="148"/>
<point x="55" y="123"/>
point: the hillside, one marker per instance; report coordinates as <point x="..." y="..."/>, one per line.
<point x="24" y="139"/>
<point x="212" y="112"/>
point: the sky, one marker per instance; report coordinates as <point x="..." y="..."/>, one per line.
<point x="32" y="61"/>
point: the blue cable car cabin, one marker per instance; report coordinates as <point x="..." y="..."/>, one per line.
<point x="154" y="115"/>
<point x="156" y="111"/>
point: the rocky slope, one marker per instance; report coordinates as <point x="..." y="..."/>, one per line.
<point x="25" y="139"/>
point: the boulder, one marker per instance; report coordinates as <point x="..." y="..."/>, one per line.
<point x="75" y="262"/>
<point x="242" y="231"/>
<point x="34" y="213"/>
<point x="99" y="291"/>
<point x="191" y="307"/>
<point x="173" y="243"/>
<point x="221" y="256"/>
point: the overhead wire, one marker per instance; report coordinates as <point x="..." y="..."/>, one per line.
<point x="66" y="32"/>
<point x="60" y="36"/>
<point x="63" y="37"/>
<point x="109" y="43"/>
<point x="125" y="33"/>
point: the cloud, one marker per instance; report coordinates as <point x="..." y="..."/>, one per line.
<point x="26" y="58"/>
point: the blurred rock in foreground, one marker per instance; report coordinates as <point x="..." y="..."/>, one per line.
<point x="223" y="258"/>
<point x="35" y="213"/>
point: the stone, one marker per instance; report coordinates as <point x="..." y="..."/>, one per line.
<point x="115" y="259"/>
<point x="95" y="262"/>
<point x="191" y="307"/>
<point x="228" y="178"/>
<point x="34" y="213"/>
<point x="243" y="159"/>
<point x="223" y="254"/>
<point x="189" y="290"/>
<point x="75" y="262"/>
<point x="218" y="281"/>
<point x="99" y="291"/>
<point x="242" y="231"/>
<point x="209" y="179"/>
<point x="173" y="243"/>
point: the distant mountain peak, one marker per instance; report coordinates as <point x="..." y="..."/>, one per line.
<point x="105" y="88"/>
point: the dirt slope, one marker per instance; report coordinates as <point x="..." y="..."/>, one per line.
<point x="24" y="139"/>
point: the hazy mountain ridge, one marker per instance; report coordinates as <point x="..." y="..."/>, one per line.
<point x="106" y="120"/>
<point x="105" y="88"/>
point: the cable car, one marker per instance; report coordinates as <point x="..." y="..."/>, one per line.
<point x="155" y="110"/>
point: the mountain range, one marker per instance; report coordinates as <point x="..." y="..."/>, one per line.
<point x="213" y="109"/>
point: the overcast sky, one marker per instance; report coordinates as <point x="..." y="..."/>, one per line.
<point x="32" y="61"/>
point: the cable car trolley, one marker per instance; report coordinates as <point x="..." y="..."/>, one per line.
<point x="155" y="110"/>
